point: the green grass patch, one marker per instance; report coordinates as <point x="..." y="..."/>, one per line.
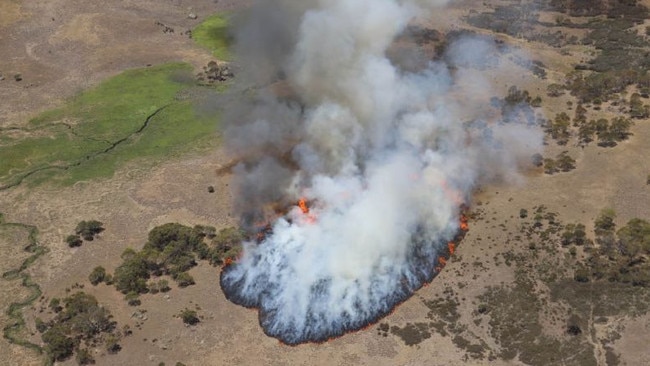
<point x="213" y="33"/>
<point x="133" y="115"/>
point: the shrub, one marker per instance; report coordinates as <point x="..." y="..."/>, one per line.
<point x="84" y="357"/>
<point x="133" y="299"/>
<point x="604" y="223"/>
<point x="73" y="241"/>
<point x="88" y="229"/>
<point x="555" y="90"/>
<point x="55" y="305"/>
<point x="163" y="286"/>
<point x="564" y="162"/>
<point x="57" y="344"/>
<point x="41" y="326"/>
<point x="523" y="213"/>
<point x="634" y="237"/>
<point x="159" y="286"/>
<point x="581" y="275"/>
<point x="97" y="276"/>
<point x="132" y="274"/>
<point x="184" y="279"/>
<point x="189" y="317"/>
<point x="550" y="166"/>
<point x="112" y="344"/>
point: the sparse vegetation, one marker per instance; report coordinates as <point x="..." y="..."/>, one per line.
<point x="81" y="321"/>
<point x="562" y="163"/>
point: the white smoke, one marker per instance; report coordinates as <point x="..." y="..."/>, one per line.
<point x="381" y="154"/>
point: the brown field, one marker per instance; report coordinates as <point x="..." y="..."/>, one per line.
<point x="62" y="47"/>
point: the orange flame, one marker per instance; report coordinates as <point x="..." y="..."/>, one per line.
<point x="228" y="262"/>
<point x="463" y="223"/>
<point x="452" y="248"/>
<point x="302" y="203"/>
<point x="442" y="261"/>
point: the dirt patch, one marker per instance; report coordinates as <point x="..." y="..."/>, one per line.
<point x="10" y="13"/>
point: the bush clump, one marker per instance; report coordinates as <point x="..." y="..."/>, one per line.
<point x="89" y="229"/>
<point x="81" y="320"/>
<point x="189" y="317"/>
<point x="97" y="276"/>
<point x="172" y="250"/>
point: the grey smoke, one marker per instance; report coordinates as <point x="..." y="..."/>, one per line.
<point x="381" y="153"/>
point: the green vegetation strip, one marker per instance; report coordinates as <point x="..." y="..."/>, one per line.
<point x="17" y="324"/>
<point x="139" y="113"/>
<point x="213" y="34"/>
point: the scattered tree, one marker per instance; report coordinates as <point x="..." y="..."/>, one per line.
<point x="564" y="162"/>
<point x="73" y="241"/>
<point x="523" y="213"/>
<point x="97" y="276"/>
<point x="55" y="305"/>
<point x="58" y="345"/>
<point x="189" y="317"/>
<point x="81" y="319"/>
<point x="89" y="229"/>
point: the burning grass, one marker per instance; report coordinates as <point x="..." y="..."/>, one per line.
<point x="425" y="268"/>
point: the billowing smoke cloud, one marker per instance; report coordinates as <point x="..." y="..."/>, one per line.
<point x="381" y="154"/>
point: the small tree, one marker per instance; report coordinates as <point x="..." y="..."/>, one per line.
<point x="132" y="275"/>
<point x="564" y="162"/>
<point x="604" y="223"/>
<point x="97" y="276"/>
<point x="88" y="229"/>
<point x="189" y="317"/>
<point x="41" y="326"/>
<point x="581" y="275"/>
<point x="55" y="305"/>
<point x="550" y="166"/>
<point x="73" y="241"/>
<point x="184" y="279"/>
<point x="523" y="213"/>
<point x="163" y="286"/>
<point x="57" y="345"/>
<point x="112" y="344"/>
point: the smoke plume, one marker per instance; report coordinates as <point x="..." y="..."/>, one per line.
<point x="380" y="154"/>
